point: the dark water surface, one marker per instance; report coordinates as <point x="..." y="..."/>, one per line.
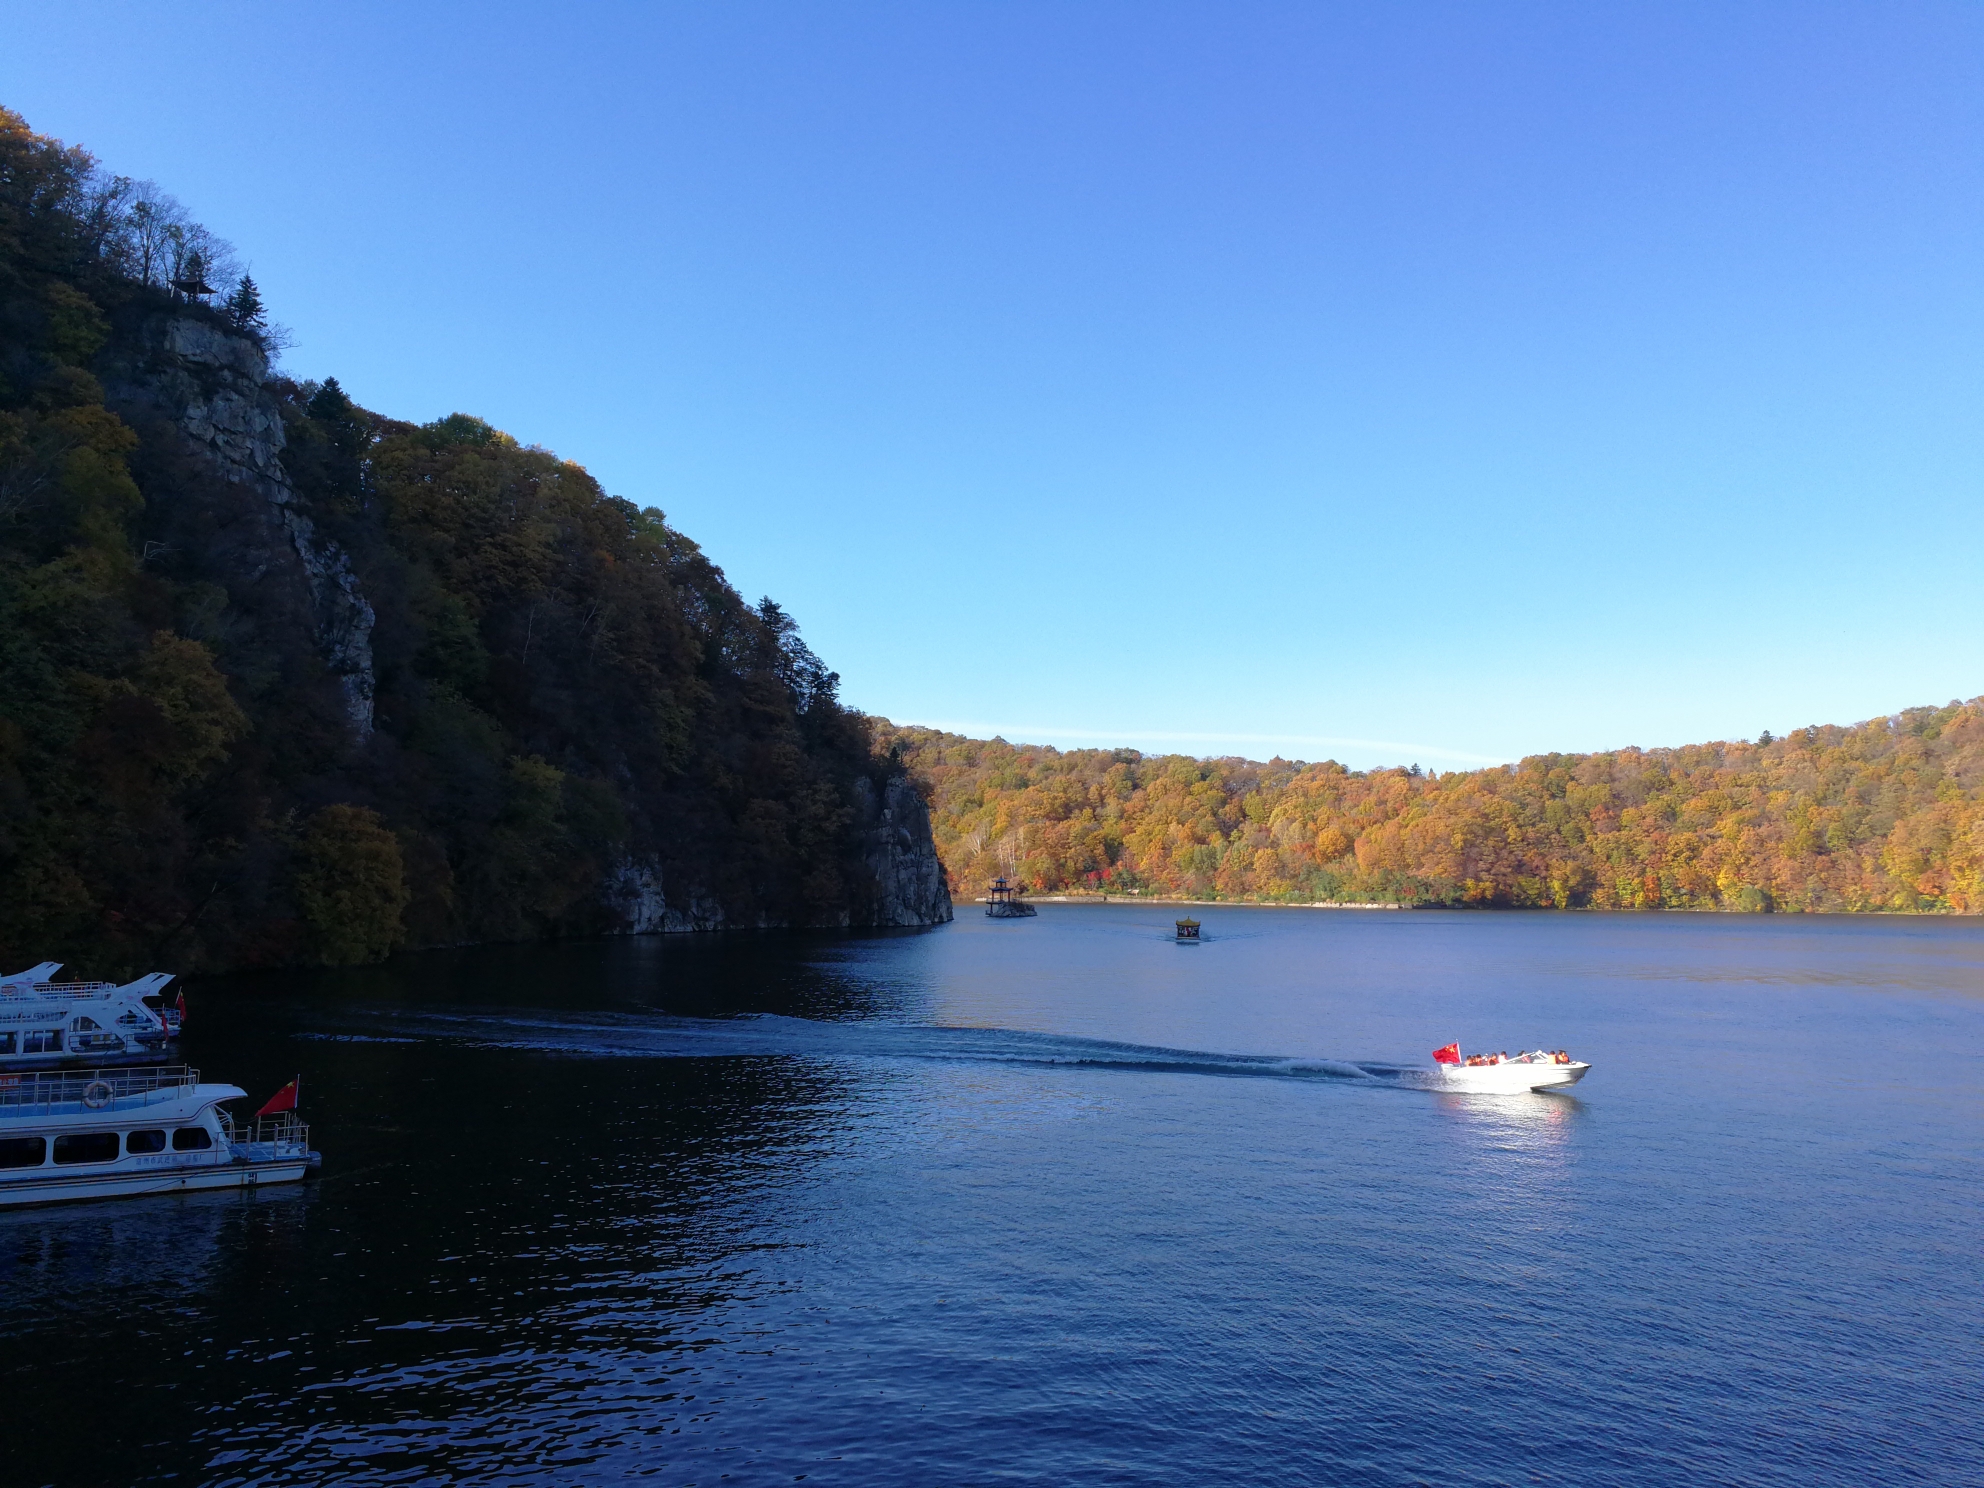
<point x="1054" y="1201"/>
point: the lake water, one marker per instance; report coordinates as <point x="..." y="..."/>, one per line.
<point x="1056" y="1201"/>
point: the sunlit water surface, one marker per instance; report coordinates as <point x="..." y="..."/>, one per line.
<point x="1056" y="1201"/>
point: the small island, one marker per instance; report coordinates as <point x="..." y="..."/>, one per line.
<point x="1004" y="902"/>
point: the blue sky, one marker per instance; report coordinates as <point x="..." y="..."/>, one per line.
<point x="1420" y="382"/>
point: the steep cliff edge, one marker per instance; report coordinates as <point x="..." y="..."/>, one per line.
<point x="908" y="886"/>
<point x="196" y="396"/>
<point x="283" y="679"/>
<point x="235" y="509"/>
<point x="897" y="845"/>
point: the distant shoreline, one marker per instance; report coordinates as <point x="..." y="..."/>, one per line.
<point x="1222" y="903"/>
<point x="1571" y="909"/>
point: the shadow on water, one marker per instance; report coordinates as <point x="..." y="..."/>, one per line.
<point x="895" y="1210"/>
<point x="140" y="1248"/>
<point x="492" y="1226"/>
<point x="798" y="974"/>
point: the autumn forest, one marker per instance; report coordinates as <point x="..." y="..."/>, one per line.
<point x="284" y="679"/>
<point x="1883" y="815"/>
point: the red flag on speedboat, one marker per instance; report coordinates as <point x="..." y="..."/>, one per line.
<point x="181" y="1005"/>
<point x="1448" y="1055"/>
<point x="283" y="1100"/>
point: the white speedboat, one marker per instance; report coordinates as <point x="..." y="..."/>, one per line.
<point x="107" y="1133"/>
<point x="1505" y="1074"/>
<point x="45" y="1024"/>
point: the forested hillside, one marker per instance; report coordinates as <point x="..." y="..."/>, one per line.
<point x="283" y="679"/>
<point x="1885" y="815"/>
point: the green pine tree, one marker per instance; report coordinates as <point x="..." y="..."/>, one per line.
<point x="244" y="307"/>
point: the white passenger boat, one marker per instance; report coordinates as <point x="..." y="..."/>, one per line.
<point x="45" y="1024"/>
<point x="105" y="1133"/>
<point x="1505" y="1074"/>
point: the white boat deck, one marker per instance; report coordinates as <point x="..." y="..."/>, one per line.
<point x="112" y="1091"/>
<point x="106" y="1133"/>
<point x="45" y="1022"/>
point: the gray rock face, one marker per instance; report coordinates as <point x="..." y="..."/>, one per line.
<point x="207" y="385"/>
<point x="899" y="850"/>
<point x="196" y="394"/>
<point x="633" y="892"/>
<point x="909" y="887"/>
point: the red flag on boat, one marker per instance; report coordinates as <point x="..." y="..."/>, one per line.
<point x="283" y="1100"/>
<point x="181" y="1005"/>
<point x="1448" y="1055"/>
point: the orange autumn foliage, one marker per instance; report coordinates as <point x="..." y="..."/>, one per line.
<point x="1884" y="815"/>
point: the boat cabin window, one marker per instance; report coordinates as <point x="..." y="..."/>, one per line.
<point x="86" y="1147"/>
<point x="192" y="1139"/>
<point x="22" y="1152"/>
<point x="85" y="1025"/>
<point x="7" y="1042"/>
<point x="144" y="1141"/>
<point x="42" y="1041"/>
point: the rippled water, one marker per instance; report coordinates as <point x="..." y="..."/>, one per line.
<point x="1055" y="1201"/>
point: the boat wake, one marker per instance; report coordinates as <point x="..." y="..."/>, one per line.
<point x="770" y="1035"/>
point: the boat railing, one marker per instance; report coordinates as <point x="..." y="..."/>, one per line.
<point x="40" y="1091"/>
<point x="268" y="1138"/>
<point x="61" y="989"/>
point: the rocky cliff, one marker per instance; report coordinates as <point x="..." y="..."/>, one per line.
<point x="197" y="396"/>
<point x="228" y="520"/>
<point x="898" y="848"/>
<point x="283" y="679"/>
<point x="893" y="824"/>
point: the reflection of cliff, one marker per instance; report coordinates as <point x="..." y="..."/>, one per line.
<point x="273" y="1338"/>
<point x="284" y="680"/>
